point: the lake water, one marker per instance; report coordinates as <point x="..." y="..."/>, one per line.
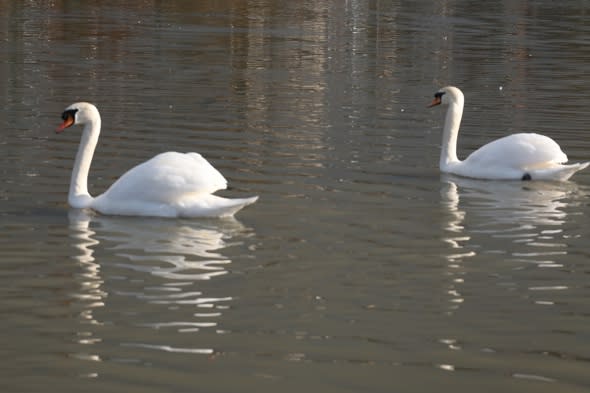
<point x="361" y="268"/>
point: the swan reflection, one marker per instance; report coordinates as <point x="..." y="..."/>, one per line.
<point x="90" y="293"/>
<point x="150" y="274"/>
<point x="503" y="209"/>
<point x="515" y="221"/>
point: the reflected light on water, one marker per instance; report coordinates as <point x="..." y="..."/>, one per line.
<point x="167" y="348"/>
<point x="518" y="222"/>
<point x="90" y="291"/>
<point x="512" y="227"/>
<point x="158" y="263"/>
<point x="455" y="239"/>
<point x="527" y="213"/>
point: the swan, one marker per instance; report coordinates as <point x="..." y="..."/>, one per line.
<point x="524" y="156"/>
<point x="170" y="184"/>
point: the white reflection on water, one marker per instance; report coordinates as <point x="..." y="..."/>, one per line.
<point x="158" y="265"/>
<point x="91" y="282"/>
<point x="518" y="222"/>
<point x="531" y="213"/>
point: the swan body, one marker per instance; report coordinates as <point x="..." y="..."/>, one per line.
<point x="524" y="156"/>
<point x="170" y="184"/>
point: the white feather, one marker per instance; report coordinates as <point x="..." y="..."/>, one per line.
<point x="514" y="157"/>
<point x="170" y="184"/>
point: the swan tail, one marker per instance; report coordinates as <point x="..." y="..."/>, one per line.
<point x="215" y="206"/>
<point x="561" y="173"/>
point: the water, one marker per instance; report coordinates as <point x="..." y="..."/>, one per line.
<point x="360" y="268"/>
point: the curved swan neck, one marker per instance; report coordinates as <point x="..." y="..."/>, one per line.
<point x="78" y="196"/>
<point x="448" y="153"/>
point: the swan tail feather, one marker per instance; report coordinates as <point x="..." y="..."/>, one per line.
<point x="215" y="206"/>
<point x="561" y="173"/>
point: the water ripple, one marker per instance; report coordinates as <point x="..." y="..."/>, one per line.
<point x="515" y="225"/>
<point x="166" y="261"/>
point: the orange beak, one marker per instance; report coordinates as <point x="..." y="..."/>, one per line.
<point x="68" y="121"/>
<point x="435" y="102"/>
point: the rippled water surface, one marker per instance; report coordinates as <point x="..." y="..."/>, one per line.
<point x="361" y="268"/>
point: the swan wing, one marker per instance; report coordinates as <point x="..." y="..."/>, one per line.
<point x="519" y="151"/>
<point x="166" y="178"/>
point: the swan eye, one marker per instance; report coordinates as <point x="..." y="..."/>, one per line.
<point x="69" y="113"/>
<point x="69" y="118"/>
<point x="437" y="99"/>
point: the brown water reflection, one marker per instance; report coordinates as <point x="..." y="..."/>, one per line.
<point x="359" y="269"/>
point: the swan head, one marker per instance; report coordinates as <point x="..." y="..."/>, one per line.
<point x="446" y="96"/>
<point x="78" y="113"/>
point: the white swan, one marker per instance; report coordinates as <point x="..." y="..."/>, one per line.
<point x="169" y="185"/>
<point x="514" y="157"/>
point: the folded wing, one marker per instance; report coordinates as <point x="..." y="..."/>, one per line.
<point x="167" y="178"/>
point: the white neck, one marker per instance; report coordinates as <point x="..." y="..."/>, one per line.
<point x="78" y="196"/>
<point x="448" y="154"/>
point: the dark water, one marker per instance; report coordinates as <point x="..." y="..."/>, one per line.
<point x="361" y="268"/>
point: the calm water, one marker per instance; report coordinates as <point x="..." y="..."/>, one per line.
<point x="361" y="268"/>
